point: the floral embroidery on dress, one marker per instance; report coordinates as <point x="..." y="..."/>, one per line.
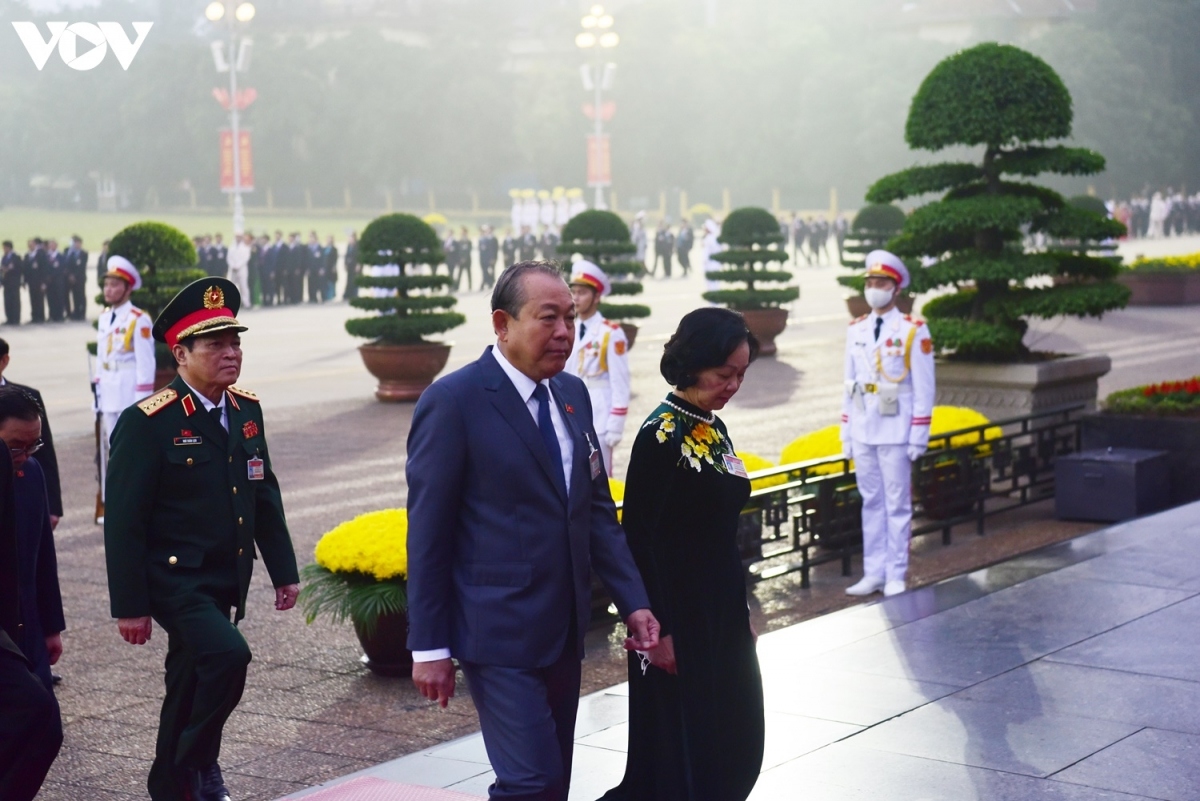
<point x="701" y="444"/>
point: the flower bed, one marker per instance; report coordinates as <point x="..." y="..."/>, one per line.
<point x="1168" y="399"/>
<point x="1170" y="281"/>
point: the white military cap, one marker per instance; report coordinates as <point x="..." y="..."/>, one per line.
<point x="585" y="273"/>
<point x="121" y="267"/>
<point x="888" y="265"/>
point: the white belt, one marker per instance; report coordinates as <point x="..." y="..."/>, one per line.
<point x="596" y="380"/>
<point x="119" y="367"/>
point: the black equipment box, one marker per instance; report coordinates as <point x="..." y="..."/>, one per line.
<point x="1111" y="484"/>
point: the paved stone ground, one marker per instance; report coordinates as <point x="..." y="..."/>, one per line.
<point x="1068" y="674"/>
<point x="311" y="712"/>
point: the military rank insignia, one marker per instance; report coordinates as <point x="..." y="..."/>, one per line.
<point x="250" y="429"/>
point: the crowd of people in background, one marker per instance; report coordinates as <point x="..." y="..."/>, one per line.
<point x="55" y="280"/>
<point x="1154" y="215"/>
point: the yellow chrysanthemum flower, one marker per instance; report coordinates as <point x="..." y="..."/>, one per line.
<point x="375" y="543"/>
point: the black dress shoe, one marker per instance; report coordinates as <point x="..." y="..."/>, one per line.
<point x="206" y="784"/>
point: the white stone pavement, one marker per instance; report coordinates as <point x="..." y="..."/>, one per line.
<point x="1070" y="673"/>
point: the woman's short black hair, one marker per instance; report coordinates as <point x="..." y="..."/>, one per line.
<point x="704" y="339"/>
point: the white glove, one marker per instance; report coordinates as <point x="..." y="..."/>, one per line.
<point x="613" y="438"/>
<point x="915" y="452"/>
<point x="847" y="450"/>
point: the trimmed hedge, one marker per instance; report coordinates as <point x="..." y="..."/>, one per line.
<point x="755" y="239"/>
<point x="1168" y="399"/>
<point x="603" y="238"/>
<point x="422" y="303"/>
<point x="1011" y="102"/>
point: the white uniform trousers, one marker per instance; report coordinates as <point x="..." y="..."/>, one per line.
<point x="884" y="475"/>
<point x="108" y="421"/>
<point x="240" y="276"/>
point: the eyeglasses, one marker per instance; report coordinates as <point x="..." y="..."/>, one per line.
<point x="30" y="451"/>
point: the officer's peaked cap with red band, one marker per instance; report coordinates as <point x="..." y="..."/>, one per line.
<point x="202" y="307"/>
<point x="585" y="273"/>
<point x="121" y="267"/>
<point x="887" y="265"/>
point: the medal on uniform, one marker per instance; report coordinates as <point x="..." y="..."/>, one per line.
<point x="735" y="466"/>
<point x="255" y="470"/>
<point x="249" y="430"/>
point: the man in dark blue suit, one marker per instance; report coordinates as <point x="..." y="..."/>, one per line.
<point x="31" y="727"/>
<point x="509" y="512"/>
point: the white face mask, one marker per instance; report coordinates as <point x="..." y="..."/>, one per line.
<point x="878" y="298"/>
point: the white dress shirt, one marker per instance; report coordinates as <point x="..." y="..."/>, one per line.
<point x="566" y="446"/>
<point x="209" y="406"/>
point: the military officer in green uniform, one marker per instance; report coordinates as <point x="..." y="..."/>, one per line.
<point x="190" y="494"/>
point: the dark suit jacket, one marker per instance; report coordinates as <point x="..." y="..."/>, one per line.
<point x="496" y="553"/>
<point x="12" y="268"/>
<point x="41" y="601"/>
<point x="46" y="457"/>
<point x="10" y="598"/>
<point x="37" y="267"/>
<point x="180" y="512"/>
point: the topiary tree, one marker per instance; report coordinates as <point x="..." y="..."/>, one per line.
<point x="603" y="238"/>
<point x="1011" y="103"/>
<point x="167" y="261"/>
<point x="874" y="226"/>
<point x="754" y="241"/>
<point x="421" y="301"/>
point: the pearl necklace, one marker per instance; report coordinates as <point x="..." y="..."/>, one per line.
<point x="712" y="417"/>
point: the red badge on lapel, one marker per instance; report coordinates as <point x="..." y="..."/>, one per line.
<point x="570" y="409"/>
<point x="250" y="429"/>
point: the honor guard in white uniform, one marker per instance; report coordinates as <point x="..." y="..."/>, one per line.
<point x="124" y="352"/>
<point x="600" y="357"/>
<point x="886" y="414"/>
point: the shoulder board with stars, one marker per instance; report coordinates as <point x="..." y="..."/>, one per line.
<point x="859" y="319"/>
<point x="244" y="393"/>
<point x="156" y="403"/>
<point x="612" y="325"/>
<point x="914" y="321"/>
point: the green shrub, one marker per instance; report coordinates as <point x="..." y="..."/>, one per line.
<point x="1012" y="103"/>
<point x="422" y="303"/>
<point x="603" y="238"/>
<point x="1168" y="399"/>
<point x="1089" y="203"/>
<point x="874" y="226"/>
<point x="167" y="261"/>
<point x="754" y="241"/>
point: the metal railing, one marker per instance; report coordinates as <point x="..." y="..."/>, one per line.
<point x="813" y="515"/>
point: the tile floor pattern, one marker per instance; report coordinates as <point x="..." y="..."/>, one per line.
<point x="1080" y="682"/>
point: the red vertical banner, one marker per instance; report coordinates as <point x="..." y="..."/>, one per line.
<point x="599" y="161"/>
<point x="245" y="158"/>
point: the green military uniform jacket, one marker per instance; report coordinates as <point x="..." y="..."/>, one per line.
<point x="181" y="511"/>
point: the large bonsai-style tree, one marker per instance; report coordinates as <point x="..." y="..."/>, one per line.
<point x="167" y="261"/>
<point x="755" y="247"/>
<point x="603" y="238"/>
<point x="417" y="302"/>
<point x="873" y="227"/>
<point x="1013" y="105"/>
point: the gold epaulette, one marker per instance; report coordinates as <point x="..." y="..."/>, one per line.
<point x="156" y="403"/>
<point x="244" y="393"/>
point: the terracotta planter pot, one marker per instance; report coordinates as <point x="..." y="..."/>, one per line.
<point x="766" y="324"/>
<point x="404" y="371"/>
<point x="386" y="653"/>
<point x="1162" y="288"/>
<point x="631" y="332"/>
<point x="858" y="306"/>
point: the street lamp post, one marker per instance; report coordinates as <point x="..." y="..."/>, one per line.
<point x="234" y="13"/>
<point x="598" y="36"/>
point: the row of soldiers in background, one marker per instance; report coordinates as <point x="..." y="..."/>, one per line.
<point x="55" y="281"/>
<point x="1158" y="215"/>
<point x="514" y="247"/>
<point x="279" y="272"/>
<point x="808" y="237"/>
<point x="668" y="245"/>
